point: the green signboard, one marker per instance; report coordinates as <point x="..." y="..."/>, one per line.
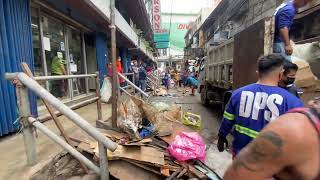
<point x="177" y="33"/>
<point x="162" y="45"/>
<point x="161" y="37"/>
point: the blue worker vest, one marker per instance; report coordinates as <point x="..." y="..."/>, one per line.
<point x="251" y="108"/>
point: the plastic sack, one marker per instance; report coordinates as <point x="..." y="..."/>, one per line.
<point x="129" y="117"/>
<point x="188" y="146"/>
<point x="105" y="90"/>
<point x="160" y="106"/>
<point x="193" y="120"/>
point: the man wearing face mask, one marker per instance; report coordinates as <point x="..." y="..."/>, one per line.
<point x="252" y="107"/>
<point x="288" y="78"/>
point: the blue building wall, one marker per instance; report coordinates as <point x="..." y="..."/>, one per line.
<point x="15" y="47"/>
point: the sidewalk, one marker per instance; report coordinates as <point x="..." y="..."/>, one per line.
<point x="13" y="158"/>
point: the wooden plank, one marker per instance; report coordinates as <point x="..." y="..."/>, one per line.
<point x="139" y="153"/>
<point x="85" y="147"/>
<point x="143" y="142"/>
<point x="142" y="166"/>
<point x="196" y="172"/>
<point x="173" y="175"/>
<point x="123" y="170"/>
<point x="160" y="143"/>
<point x="182" y="173"/>
<point x="165" y="171"/>
<point x="80" y="136"/>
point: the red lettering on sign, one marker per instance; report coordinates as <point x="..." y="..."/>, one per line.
<point x="157" y="9"/>
<point x="183" y="26"/>
<point x="156" y="15"/>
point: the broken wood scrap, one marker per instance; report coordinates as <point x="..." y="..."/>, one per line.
<point x="142" y="166"/>
<point x="165" y="171"/>
<point x="80" y="136"/>
<point x="157" y="147"/>
<point x="93" y="144"/>
<point x="113" y="134"/>
<point x="173" y="175"/>
<point x="124" y="170"/>
<point x="182" y="172"/>
<point x="210" y="172"/>
<point x="159" y="143"/>
<point x="74" y="143"/>
<point x="172" y="168"/>
<point x="196" y="172"/>
<point x="142" y="142"/>
<point x="138" y="153"/>
<point x="85" y="147"/>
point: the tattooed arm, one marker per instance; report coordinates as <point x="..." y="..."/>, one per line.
<point x="280" y="145"/>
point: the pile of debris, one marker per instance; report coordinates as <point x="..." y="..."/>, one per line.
<point x="155" y="141"/>
<point x="306" y="56"/>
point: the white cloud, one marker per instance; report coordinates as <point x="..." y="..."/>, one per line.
<point x="184" y="6"/>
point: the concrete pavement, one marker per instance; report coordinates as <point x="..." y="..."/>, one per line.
<point x="12" y="153"/>
<point x="13" y="158"/>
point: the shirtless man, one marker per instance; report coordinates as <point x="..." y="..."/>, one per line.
<point x="286" y="149"/>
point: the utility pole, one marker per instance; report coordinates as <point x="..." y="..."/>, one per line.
<point x="114" y="71"/>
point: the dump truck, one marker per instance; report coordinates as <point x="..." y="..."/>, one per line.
<point x="232" y="64"/>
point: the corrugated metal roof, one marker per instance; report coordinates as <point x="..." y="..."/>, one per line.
<point x="15" y="47"/>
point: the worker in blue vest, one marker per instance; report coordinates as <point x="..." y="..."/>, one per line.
<point x="252" y="107"/>
<point x="284" y="16"/>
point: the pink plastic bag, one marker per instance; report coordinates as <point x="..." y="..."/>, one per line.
<point x="188" y="146"/>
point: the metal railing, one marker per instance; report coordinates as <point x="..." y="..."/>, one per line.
<point x="131" y="84"/>
<point x="28" y="123"/>
<point x="152" y="82"/>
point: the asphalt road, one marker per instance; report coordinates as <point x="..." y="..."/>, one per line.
<point x="211" y="117"/>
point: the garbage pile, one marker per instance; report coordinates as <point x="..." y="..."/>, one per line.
<point x="155" y="141"/>
<point x="306" y="56"/>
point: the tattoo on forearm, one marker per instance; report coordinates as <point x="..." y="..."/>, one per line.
<point x="267" y="146"/>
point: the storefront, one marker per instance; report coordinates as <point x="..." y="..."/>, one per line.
<point x="60" y="40"/>
<point x="55" y="37"/>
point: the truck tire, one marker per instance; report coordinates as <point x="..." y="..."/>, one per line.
<point x="204" y="98"/>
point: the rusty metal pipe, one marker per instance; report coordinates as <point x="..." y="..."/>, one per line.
<point x="56" y="103"/>
<point x="47" y="78"/>
<point x="47" y="117"/>
<point x="64" y="144"/>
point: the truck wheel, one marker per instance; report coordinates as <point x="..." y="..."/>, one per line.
<point x="204" y="99"/>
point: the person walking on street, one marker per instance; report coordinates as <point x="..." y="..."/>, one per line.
<point x="288" y="78"/>
<point x="252" y="107"/>
<point x="58" y="69"/>
<point x="287" y="148"/>
<point x="135" y="70"/>
<point x="142" y="77"/>
<point x="284" y="17"/>
<point x="166" y="81"/>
